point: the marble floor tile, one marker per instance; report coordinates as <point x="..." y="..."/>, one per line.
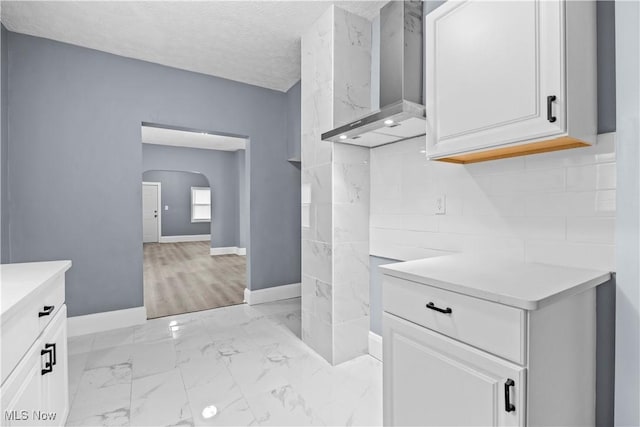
<point x="80" y="344"/>
<point x="160" y="399"/>
<point x="225" y="395"/>
<point x="76" y="365"/>
<point x="203" y="370"/>
<point x="101" y="406"/>
<point x="106" y="376"/>
<point x="248" y="362"/>
<point x="283" y="406"/>
<point x="113" y="338"/>
<point x="154" y="357"/>
<point x="110" y="356"/>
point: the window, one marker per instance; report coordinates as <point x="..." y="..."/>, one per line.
<point x="200" y="204"/>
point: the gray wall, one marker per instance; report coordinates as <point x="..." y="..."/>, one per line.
<point x="176" y="201"/>
<point x="294" y="123"/>
<point x="75" y="150"/>
<point x="220" y="169"/>
<point x="4" y="193"/>
<point x="628" y="214"/>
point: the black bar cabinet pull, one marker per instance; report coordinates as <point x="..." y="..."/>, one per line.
<point x="48" y="365"/>
<point x="550" y="100"/>
<point x="508" y="406"/>
<point x="46" y="310"/>
<point x="432" y="306"/>
<point x="53" y="353"/>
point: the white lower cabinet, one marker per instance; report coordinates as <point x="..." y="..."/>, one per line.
<point x="456" y="360"/>
<point x="432" y="380"/>
<point x="55" y="383"/>
<point x="34" y="389"/>
<point x="37" y="392"/>
<point x="23" y="390"/>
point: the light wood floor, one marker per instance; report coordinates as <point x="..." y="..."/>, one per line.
<point x="183" y="277"/>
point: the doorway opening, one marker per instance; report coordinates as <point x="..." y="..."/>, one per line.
<point x="194" y="221"/>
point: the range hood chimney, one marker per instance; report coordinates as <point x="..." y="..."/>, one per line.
<point x="402" y="113"/>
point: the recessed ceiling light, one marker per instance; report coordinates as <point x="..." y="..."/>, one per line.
<point x="343" y="136"/>
<point x="173" y="323"/>
<point x="209" y="412"/>
<point x="388" y="122"/>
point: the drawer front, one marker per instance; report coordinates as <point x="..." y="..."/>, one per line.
<point x="52" y="296"/>
<point x="493" y="327"/>
<point x="21" y="330"/>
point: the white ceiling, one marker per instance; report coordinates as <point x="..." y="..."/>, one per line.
<point x="255" y="42"/>
<point x="181" y="138"/>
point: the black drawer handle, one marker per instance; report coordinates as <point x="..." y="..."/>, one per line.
<point x="508" y="406"/>
<point x="48" y="364"/>
<point x="47" y="310"/>
<point x="432" y="306"/>
<point x="53" y="352"/>
<point x="550" y="100"/>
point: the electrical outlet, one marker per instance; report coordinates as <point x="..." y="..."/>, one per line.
<point x="441" y="205"/>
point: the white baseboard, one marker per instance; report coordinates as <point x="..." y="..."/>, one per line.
<point x="230" y="250"/>
<point x="375" y="345"/>
<point x="98" y="322"/>
<point x="275" y="293"/>
<point x="191" y="238"/>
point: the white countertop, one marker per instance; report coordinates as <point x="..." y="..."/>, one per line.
<point x="524" y="285"/>
<point x="18" y="281"/>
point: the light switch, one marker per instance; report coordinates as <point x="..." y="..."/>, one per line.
<point x="441" y="205"/>
<point x="166" y="207"/>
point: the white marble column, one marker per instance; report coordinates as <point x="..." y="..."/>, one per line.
<point x="336" y="66"/>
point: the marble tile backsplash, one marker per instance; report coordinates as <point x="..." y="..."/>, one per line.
<point x="556" y="208"/>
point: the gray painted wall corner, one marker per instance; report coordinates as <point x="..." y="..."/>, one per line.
<point x="4" y="141"/>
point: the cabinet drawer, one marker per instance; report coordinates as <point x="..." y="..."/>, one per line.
<point x="493" y="327"/>
<point x="22" y="329"/>
<point x="21" y="393"/>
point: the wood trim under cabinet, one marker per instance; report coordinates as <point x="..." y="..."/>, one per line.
<point x="556" y="144"/>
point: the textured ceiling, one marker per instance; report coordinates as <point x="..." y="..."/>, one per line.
<point x="255" y="42"/>
<point x="181" y="138"/>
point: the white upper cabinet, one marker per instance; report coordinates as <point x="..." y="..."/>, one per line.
<point x="511" y="74"/>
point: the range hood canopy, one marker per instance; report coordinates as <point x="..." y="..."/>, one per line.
<point x="402" y="114"/>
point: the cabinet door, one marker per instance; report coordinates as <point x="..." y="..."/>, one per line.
<point x="21" y="394"/>
<point x="432" y="380"/>
<point x="490" y="67"/>
<point x="55" y="384"/>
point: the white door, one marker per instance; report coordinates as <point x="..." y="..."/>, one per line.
<point x="491" y="66"/>
<point x="150" y="197"/>
<point x="432" y="380"/>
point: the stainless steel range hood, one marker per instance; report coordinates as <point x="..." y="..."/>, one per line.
<point x="401" y="114"/>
